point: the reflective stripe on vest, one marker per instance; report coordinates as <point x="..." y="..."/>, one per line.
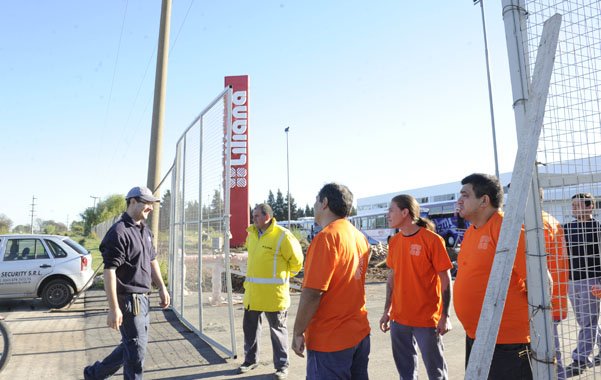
<point x="273" y="280"/>
<point x="257" y="280"/>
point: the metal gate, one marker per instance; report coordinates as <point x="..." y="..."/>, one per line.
<point x="199" y="270"/>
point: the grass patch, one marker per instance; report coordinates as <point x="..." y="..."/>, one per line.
<point x="92" y="244"/>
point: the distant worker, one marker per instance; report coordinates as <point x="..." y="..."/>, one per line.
<point x="331" y="318"/>
<point x="583" y="237"/>
<point x="130" y="265"/>
<point x="274" y="255"/>
<point x="558" y="265"/>
<point x="480" y="203"/>
<point x="418" y="291"/>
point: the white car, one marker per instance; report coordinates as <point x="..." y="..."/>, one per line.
<point x="52" y="267"/>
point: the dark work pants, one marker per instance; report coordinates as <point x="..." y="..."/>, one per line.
<point x="251" y="324"/>
<point x="348" y="364"/>
<point x="132" y="350"/>
<point x="509" y="361"/>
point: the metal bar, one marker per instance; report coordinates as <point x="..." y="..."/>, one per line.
<point x="226" y="216"/>
<point x="562" y="180"/>
<point x="172" y="221"/>
<point x="85" y="287"/>
<point x="200" y="279"/>
<point x="183" y="211"/>
<point x="205" y="110"/>
<point x="204" y="337"/>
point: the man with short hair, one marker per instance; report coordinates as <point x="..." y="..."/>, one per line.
<point x="480" y="203"/>
<point x="130" y="265"/>
<point x="583" y="237"/>
<point x="331" y="318"/>
<point x="274" y="255"/>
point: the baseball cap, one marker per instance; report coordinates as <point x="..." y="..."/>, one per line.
<point x="142" y="192"/>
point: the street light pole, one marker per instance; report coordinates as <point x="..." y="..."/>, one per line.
<point x="288" y="173"/>
<point x="95" y="198"/>
<point x="492" y="112"/>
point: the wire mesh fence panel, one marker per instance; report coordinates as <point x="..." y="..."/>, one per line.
<point x="569" y="165"/>
<point x="200" y="228"/>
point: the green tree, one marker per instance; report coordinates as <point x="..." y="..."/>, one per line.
<point x="216" y="208"/>
<point x="353" y="211"/>
<point x="22" y="229"/>
<point x="271" y="199"/>
<point x="51" y="227"/>
<point x="165" y="211"/>
<point x="280" y="211"/>
<point x="309" y="211"/>
<point x="106" y="209"/>
<point x="90" y="219"/>
<point x="114" y="205"/>
<point x="77" y="227"/>
<point x="191" y="211"/>
<point x="5" y="224"/>
<point x="293" y="210"/>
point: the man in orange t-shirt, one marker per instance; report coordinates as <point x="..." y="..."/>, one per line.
<point x="480" y="202"/>
<point x="331" y="318"/>
<point x="418" y="291"/>
<point x="559" y="267"/>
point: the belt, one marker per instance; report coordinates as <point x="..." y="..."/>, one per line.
<point x="129" y="294"/>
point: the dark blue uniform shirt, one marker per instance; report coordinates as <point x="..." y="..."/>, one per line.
<point x="583" y="239"/>
<point x="127" y="248"/>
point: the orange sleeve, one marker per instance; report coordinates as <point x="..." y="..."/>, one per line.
<point x="519" y="266"/>
<point x="440" y="257"/>
<point x="320" y="264"/>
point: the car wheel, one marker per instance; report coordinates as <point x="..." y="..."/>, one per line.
<point x="57" y="293"/>
<point x="450" y="240"/>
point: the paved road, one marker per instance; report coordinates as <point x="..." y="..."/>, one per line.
<point x="58" y="345"/>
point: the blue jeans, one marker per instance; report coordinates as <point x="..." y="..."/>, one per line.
<point x="561" y="372"/>
<point x="586" y="309"/>
<point x="132" y="350"/>
<point x="406" y="339"/>
<point x="349" y="364"/>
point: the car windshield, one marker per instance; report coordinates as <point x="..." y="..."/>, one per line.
<point x="81" y="250"/>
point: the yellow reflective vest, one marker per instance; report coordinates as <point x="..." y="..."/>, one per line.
<point x="272" y="259"/>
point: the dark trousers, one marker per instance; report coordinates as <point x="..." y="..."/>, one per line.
<point x="509" y="361"/>
<point x="132" y="350"/>
<point x="349" y="364"/>
<point x="252" y="324"/>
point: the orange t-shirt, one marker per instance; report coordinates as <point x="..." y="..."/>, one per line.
<point x="336" y="263"/>
<point x="474" y="265"/>
<point x="416" y="261"/>
<point x="558" y="264"/>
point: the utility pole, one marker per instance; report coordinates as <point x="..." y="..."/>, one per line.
<point x="32" y="212"/>
<point x="492" y="111"/>
<point x="95" y="198"/>
<point x="288" y="172"/>
<point x="158" y="115"/>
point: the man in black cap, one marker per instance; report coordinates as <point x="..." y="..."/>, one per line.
<point x="130" y="265"/>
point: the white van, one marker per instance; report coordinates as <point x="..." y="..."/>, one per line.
<point x="52" y="267"/>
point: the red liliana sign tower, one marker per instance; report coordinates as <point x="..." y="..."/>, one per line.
<point x="239" y="198"/>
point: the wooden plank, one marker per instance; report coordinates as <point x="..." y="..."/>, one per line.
<point x="529" y="128"/>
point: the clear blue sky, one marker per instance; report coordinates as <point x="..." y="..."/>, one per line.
<point x="381" y="96"/>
